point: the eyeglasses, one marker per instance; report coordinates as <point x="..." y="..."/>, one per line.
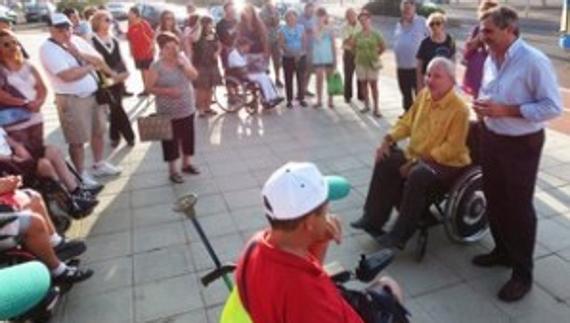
<point x="435" y="23"/>
<point x="108" y="20"/>
<point x="9" y="44"/>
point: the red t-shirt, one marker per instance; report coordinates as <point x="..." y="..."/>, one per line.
<point x="141" y="38"/>
<point x="284" y="288"/>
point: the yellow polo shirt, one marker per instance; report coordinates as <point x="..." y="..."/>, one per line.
<point x="437" y="129"/>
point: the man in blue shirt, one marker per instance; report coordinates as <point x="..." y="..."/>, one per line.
<point x="519" y="94"/>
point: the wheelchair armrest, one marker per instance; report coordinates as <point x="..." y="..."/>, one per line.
<point x="217" y="273"/>
<point x="371" y="265"/>
<point x="337" y="273"/>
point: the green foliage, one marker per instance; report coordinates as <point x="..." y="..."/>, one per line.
<point x="428" y="8"/>
<point x="392" y="8"/>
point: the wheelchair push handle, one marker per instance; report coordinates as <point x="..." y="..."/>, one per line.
<point x="369" y="266"/>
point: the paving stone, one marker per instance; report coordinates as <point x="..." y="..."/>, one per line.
<point x="108" y="246"/>
<point x="210" y="204"/>
<point x="243" y="198"/>
<point x="551" y="273"/>
<point x="460" y="303"/>
<point x="190" y="317"/>
<point x="156" y="214"/>
<point x="152" y="196"/>
<point x="227" y="248"/>
<point x="231" y="183"/>
<point x="214" y="313"/>
<point x="115" y="306"/>
<point x="167" y="297"/>
<point x="553" y="235"/>
<point x="162" y="263"/>
<point x="158" y="236"/>
<point x="111" y="222"/>
<point x="251" y="218"/>
<point x="112" y="274"/>
<point x="214" y="225"/>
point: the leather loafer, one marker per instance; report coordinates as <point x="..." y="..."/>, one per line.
<point x="514" y="290"/>
<point x="492" y="259"/>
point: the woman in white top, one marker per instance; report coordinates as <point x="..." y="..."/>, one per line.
<point x="21" y="86"/>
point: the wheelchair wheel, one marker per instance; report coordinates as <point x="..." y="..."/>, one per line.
<point x="466" y="208"/>
<point x="230" y="96"/>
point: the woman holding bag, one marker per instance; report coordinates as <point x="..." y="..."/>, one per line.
<point x="170" y="80"/>
<point x="21" y="86"/>
<point x="323" y="55"/>
<point x="108" y="47"/>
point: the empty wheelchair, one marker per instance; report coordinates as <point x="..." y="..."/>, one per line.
<point x="462" y="209"/>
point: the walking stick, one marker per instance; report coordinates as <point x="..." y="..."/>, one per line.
<point x="185" y="204"/>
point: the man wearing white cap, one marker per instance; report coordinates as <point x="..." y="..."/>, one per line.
<point x="280" y="277"/>
<point x="71" y="65"/>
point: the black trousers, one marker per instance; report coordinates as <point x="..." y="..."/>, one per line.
<point x="510" y="166"/>
<point x="407" y="82"/>
<point x="388" y="189"/>
<point x="292" y="66"/>
<point x="183" y="130"/>
<point x="119" y="123"/>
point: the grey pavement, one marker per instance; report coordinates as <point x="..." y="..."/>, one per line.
<point x="148" y="259"/>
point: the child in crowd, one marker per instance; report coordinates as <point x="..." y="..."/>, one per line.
<point x="239" y="67"/>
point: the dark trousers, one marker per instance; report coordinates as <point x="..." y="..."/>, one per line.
<point x="388" y="189"/>
<point x="510" y="166"/>
<point x="183" y="130"/>
<point x="349" y="66"/>
<point x="407" y="82"/>
<point x="293" y="66"/>
<point x="119" y="123"/>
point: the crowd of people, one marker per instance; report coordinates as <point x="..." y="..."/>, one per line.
<point x="180" y="67"/>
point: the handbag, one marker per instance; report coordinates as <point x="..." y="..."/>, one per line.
<point x="13" y="115"/>
<point x="334" y="84"/>
<point x="103" y="95"/>
<point x="155" y="127"/>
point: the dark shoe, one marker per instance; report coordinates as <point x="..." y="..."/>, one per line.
<point x="347" y="100"/>
<point x="176" y="178"/>
<point x="514" y="290"/>
<point x="289" y="105"/>
<point x="115" y="143"/>
<point x="142" y="94"/>
<point x="190" y="169"/>
<point x="68" y="249"/>
<point x="491" y="259"/>
<point x="82" y="207"/>
<point x="131" y="143"/>
<point x="303" y="104"/>
<point x="127" y="94"/>
<point x="279" y="84"/>
<point x="94" y="190"/>
<point x="73" y="275"/>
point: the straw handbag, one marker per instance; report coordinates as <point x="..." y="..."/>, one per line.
<point x="155" y="127"/>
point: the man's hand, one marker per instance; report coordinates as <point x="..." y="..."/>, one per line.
<point x="406" y="168"/>
<point x="334" y="228"/>
<point x="35" y="105"/>
<point x="120" y="77"/>
<point x="383" y="151"/>
<point x="486" y="108"/>
<point x="9" y="183"/>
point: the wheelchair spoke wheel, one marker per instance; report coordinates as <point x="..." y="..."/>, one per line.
<point x="230" y="96"/>
<point x="466" y="209"/>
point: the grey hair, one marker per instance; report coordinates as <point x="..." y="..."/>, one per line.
<point x="445" y="63"/>
<point x="502" y="17"/>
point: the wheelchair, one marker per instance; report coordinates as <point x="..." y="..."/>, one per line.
<point x="462" y="209"/>
<point x="236" y="93"/>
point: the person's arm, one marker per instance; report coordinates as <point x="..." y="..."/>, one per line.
<point x="419" y="74"/>
<point x="281" y="41"/>
<point x="8" y="99"/>
<point x="9" y="184"/>
<point x="187" y="67"/>
<point x="333" y="45"/>
<point x="75" y="73"/>
<point x="381" y="44"/>
<point x="455" y="140"/>
<point x="41" y="91"/>
<point x="150" y="85"/>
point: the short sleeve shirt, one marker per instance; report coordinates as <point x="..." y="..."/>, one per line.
<point x="407" y="40"/>
<point x="366" y="48"/>
<point x="429" y="50"/>
<point x="236" y="60"/>
<point x="141" y="38"/>
<point x="293" y="37"/>
<point x="55" y="60"/>
<point x="286" y="288"/>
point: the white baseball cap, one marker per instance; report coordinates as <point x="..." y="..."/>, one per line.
<point x="58" y="19"/>
<point x="297" y="188"/>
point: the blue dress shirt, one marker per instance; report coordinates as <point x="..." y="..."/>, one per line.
<point x="526" y="79"/>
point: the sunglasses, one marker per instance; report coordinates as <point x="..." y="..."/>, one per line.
<point x="10" y="44"/>
<point x="435" y="23"/>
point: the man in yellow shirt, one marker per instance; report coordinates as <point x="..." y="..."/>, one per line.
<point x="436" y="125"/>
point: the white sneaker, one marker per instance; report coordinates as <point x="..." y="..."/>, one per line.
<point x="104" y="168"/>
<point x="88" y="180"/>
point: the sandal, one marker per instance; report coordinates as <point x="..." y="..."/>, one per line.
<point x="377" y="114"/>
<point x="176" y="178"/>
<point x="317" y="105"/>
<point x="190" y="169"/>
